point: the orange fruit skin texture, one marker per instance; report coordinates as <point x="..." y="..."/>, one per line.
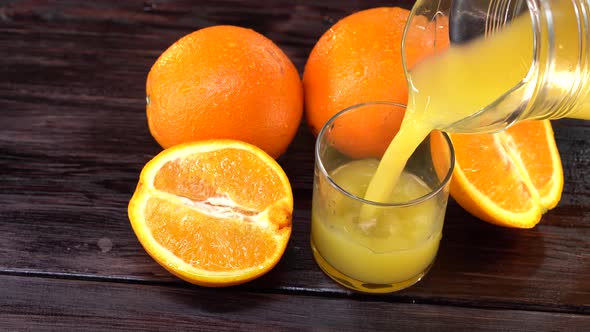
<point x="367" y="133"/>
<point x="359" y="60"/>
<point x="224" y="82"/>
<point x="510" y="178"/>
<point x="213" y="212"/>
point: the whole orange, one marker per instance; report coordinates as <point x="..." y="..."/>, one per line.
<point x="224" y="82"/>
<point x="358" y="60"/>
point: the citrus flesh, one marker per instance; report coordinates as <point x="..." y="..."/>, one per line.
<point x="214" y="213"/>
<point x="510" y="178"/>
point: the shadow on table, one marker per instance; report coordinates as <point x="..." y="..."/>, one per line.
<point x="477" y="258"/>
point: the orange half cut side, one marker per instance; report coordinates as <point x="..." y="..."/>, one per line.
<point x="510" y="178"/>
<point x="214" y="213"/>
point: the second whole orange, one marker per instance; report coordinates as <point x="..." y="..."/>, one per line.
<point x="225" y="82"/>
<point x="357" y="60"/>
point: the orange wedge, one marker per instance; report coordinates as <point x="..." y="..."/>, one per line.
<point x="214" y="213"/>
<point x="510" y="178"/>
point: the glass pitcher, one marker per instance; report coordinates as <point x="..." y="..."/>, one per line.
<point x="508" y="60"/>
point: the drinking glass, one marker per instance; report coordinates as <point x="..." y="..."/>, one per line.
<point x="395" y="245"/>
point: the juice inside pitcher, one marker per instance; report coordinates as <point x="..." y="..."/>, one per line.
<point x="521" y="71"/>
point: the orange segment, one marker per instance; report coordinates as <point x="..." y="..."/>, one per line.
<point x="203" y="175"/>
<point x="534" y="140"/>
<point x="509" y="178"/>
<point x="222" y="245"/>
<point x="214" y="213"/>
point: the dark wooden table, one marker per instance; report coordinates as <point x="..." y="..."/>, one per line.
<point x="73" y="138"/>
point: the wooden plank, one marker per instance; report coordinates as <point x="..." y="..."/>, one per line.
<point x="39" y="304"/>
<point x="74" y="139"/>
<point x="478" y="264"/>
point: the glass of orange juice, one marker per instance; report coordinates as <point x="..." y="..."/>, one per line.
<point x="394" y="246"/>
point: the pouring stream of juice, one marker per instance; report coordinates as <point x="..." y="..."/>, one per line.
<point x="442" y="93"/>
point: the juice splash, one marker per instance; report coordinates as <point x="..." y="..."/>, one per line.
<point x="397" y="245"/>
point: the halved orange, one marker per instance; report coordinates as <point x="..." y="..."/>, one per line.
<point x="214" y="213"/>
<point x="510" y="178"/>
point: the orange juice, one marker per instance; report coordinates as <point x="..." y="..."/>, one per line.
<point x="451" y="86"/>
<point x="398" y="245"/>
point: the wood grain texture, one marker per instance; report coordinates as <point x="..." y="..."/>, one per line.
<point x="39" y="303"/>
<point x="73" y="138"/>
